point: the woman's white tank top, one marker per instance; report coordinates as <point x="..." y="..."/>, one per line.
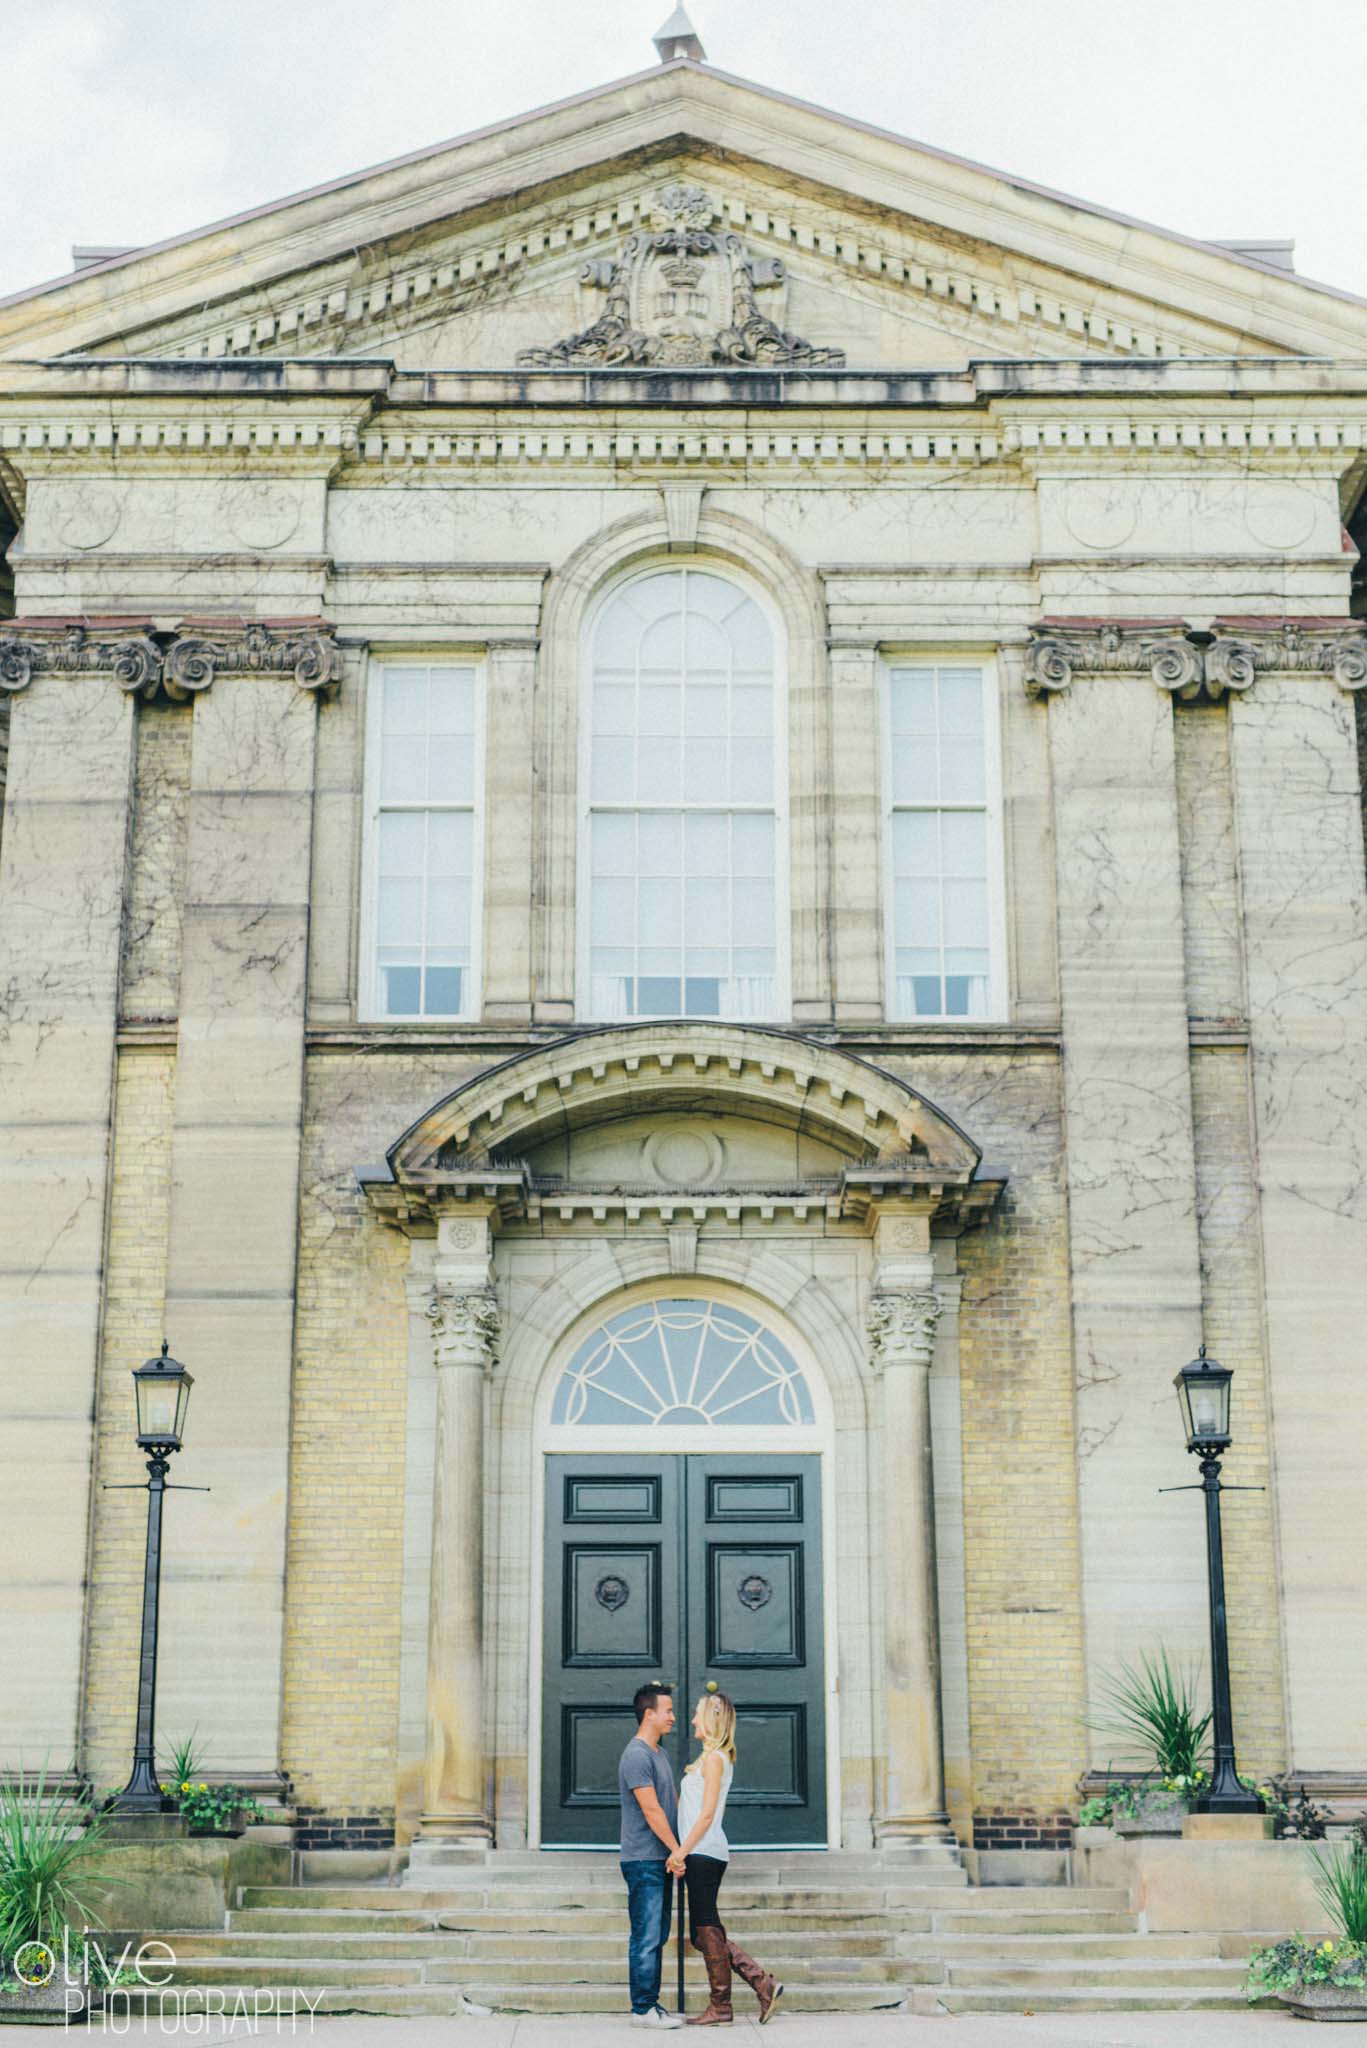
<point x="714" y="1842"/>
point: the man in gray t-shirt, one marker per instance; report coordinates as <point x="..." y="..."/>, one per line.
<point x="650" y="1816"/>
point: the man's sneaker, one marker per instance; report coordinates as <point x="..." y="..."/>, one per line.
<point x="657" y="2017"/>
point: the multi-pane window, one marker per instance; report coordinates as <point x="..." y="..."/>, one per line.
<point x="683" y="812"/>
<point x="941" y="841"/>
<point x="422" y="841"/>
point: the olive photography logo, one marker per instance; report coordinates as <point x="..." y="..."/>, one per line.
<point x="88" y="1982"/>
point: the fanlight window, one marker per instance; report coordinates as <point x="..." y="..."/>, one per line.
<point x="682" y="1362"/>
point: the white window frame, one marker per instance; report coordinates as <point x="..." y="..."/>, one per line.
<point x="779" y="809"/>
<point x="948" y="656"/>
<point x="369" y="1006"/>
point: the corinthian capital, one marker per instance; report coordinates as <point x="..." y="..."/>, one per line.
<point x="1062" y="648"/>
<point x="902" y="1329"/>
<point x="465" y="1327"/>
<point x="1242" y="649"/>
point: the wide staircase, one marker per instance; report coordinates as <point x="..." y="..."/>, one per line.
<point x="517" y="1932"/>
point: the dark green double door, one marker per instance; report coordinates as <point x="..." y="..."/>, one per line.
<point x="687" y="1569"/>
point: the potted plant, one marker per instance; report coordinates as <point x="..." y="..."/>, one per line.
<point x="1325" y="1980"/>
<point x="1154" y="1707"/>
<point x="50" y="1847"/>
<point x="207" y="1809"/>
<point x="216" y="1809"/>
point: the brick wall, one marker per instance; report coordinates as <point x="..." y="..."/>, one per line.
<point x="135" y="1290"/>
<point x="1021" y="1535"/>
<point x="345" y="1546"/>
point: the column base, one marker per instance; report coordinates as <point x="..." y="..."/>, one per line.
<point x="912" y="1827"/>
<point x="466" y="1830"/>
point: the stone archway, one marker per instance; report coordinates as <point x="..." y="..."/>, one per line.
<point x="547" y="1191"/>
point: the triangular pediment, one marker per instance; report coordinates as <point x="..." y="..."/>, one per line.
<point x="815" y="240"/>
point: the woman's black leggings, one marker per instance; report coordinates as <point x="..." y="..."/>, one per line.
<point x="702" y="1880"/>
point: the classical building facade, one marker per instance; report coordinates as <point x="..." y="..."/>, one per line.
<point x="682" y="889"/>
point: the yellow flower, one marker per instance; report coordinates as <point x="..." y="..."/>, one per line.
<point x="185" y="1784"/>
<point x="203" y="1788"/>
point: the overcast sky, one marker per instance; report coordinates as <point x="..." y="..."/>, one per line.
<point x="124" y="121"/>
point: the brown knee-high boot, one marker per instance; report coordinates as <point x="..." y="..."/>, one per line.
<point x="711" y="1944"/>
<point x="767" y="1989"/>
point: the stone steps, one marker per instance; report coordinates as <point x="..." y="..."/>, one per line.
<point x="1093" y="1999"/>
<point x="850" y="1934"/>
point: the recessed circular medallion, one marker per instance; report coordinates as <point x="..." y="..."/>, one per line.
<point x="1099" y="515"/>
<point x="684" y="1156"/>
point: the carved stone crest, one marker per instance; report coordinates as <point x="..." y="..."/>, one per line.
<point x="683" y="297"/>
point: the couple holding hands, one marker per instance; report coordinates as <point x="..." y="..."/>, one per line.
<point x="665" y="1836"/>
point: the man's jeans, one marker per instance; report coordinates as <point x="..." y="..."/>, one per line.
<point x="650" y="1894"/>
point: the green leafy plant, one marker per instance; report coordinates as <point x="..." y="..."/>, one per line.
<point x="214" y="1807"/>
<point x="187" y="1760"/>
<point x="1341" y="1887"/>
<point x="50" y="1846"/>
<point x="1288" y="1965"/>
<point x="1153" y="1705"/>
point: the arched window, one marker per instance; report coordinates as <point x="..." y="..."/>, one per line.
<point x="681" y="1363"/>
<point x="683" y="803"/>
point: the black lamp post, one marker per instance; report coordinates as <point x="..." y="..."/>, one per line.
<point x="163" y="1388"/>
<point x="1203" y="1392"/>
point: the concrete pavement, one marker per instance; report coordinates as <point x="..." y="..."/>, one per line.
<point x="787" y="2030"/>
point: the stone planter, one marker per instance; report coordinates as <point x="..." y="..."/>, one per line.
<point x="1157" y="1812"/>
<point x="1326" y="2001"/>
<point x="237" y="1825"/>
<point x="46" y="2005"/>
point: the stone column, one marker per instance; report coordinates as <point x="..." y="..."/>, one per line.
<point x="1297" y="796"/>
<point x="239" y="1105"/>
<point x="1135" y="1269"/>
<point x="508" y="833"/>
<point x="465" y="1324"/>
<point x="855" y="851"/>
<point x="903" y="1313"/>
<point x="67" y="813"/>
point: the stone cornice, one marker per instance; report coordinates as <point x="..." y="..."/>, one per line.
<point x="1193" y="664"/>
<point x="150" y="659"/>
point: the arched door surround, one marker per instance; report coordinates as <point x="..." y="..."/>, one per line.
<point x="563" y="1185"/>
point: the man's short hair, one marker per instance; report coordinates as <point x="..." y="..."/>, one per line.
<point x="648" y="1696"/>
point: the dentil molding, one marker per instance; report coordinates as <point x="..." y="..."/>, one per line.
<point x="1191" y="664"/>
<point x="176" y="663"/>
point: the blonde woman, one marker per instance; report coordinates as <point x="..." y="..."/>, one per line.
<point x="702" y="1857"/>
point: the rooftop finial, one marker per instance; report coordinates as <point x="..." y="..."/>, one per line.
<point x="679" y="38"/>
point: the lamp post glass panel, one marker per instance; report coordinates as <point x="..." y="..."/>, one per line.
<point x="162" y="1387"/>
<point x="1203" y="1395"/>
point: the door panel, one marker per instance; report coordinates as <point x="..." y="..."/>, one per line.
<point x="688" y="1569"/>
<point x="755" y="1618"/>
